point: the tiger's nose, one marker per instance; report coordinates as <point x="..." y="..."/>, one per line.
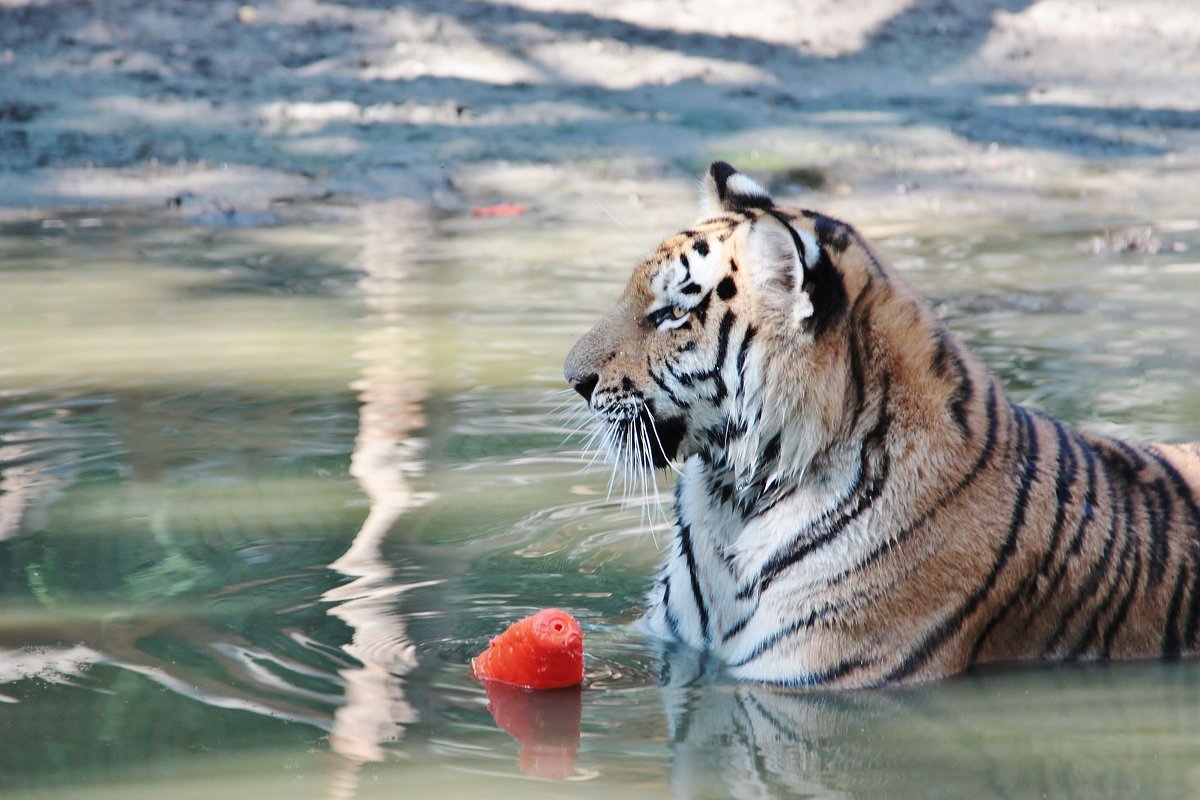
<point x="585" y="385"/>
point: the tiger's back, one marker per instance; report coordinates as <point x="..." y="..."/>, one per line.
<point x="859" y="502"/>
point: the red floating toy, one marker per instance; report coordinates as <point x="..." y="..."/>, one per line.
<point x="543" y="651"/>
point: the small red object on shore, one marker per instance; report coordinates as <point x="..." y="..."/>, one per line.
<point x="499" y="210"/>
<point x="542" y="651"/>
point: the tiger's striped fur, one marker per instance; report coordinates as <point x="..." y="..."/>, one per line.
<point x="859" y="502"/>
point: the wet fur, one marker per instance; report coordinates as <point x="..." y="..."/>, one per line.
<point x="859" y="502"/>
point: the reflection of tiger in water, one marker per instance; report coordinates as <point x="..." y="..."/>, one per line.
<point x="859" y="502"/>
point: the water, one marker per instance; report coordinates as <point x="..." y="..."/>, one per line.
<point x="267" y="488"/>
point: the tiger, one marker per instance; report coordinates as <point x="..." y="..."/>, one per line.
<point x="858" y="501"/>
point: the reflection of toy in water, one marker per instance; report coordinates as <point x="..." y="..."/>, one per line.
<point x="545" y="724"/>
<point x="543" y="651"/>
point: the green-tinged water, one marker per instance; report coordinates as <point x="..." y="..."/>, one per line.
<point x="265" y="489"/>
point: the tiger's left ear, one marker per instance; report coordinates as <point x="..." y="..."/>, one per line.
<point x="727" y="190"/>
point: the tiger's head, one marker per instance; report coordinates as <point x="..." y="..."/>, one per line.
<point x="734" y="340"/>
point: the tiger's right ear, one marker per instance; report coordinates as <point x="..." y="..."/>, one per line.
<point x="779" y="259"/>
<point x="727" y="190"/>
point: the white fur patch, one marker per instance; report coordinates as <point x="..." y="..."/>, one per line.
<point x="705" y="270"/>
<point x="801" y="310"/>
<point x="812" y="250"/>
<point x="739" y="184"/>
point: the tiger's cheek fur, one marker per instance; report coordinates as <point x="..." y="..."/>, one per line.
<point x="696" y="367"/>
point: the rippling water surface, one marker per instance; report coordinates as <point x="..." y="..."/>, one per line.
<point x="264" y="490"/>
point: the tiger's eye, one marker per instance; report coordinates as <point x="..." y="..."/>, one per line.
<point x="678" y="312"/>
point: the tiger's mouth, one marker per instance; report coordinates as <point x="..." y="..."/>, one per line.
<point x="666" y="436"/>
<point x="637" y="436"/>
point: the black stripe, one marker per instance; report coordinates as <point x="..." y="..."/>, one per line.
<point x="771" y="641"/>
<point x="663" y="385"/>
<point x="723" y="333"/>
<point x="1156" y="502"/>
<point x="801" y="623"/>
<point x="700" y="310"/>
<point x="827" y="292"/>
<point x="691" y="378"/>
<point x="754" y="500"/>
<point x="839" y="670"/>
<point x="945" y="355"/>
<point x="822" y="281"/>
<point x="684" y="378"/>
<point x="744" y="350"/>
<point x="838" y="235"/>
<point x="1089" y="496"/>
<point x="1090" y="631"/>
<point x="1131" y="546"/>
<point x="1183" y="491"/>
<point x="737" y="627"/>
<point x="1026" y="452"/>
<point x="992" y="624"/>
<point x="1135" y="458"/>
<point x="1170" y="641"/>
<point x="685" y="549"/>
<point x="831" y="233"/>
<point x="670" y="618"/>
<point x="1110" y="633"/>
<point x="942" y="350"/>
<point x="1074" y="547"/>
<point x="834" y="523"/>
<point x="1086" y="592"/>
<point x="870" y="253"/>
<point x="1064" y="479"/>
<point x="985" y="456"/>
<point x="1182" y="488"/>
<point x="714" y="374"/>
<point x="1193" y="617"/>
<point x="1067" y="470"/>
<point x="842" y="512"/>
<point x="854" y="347"/>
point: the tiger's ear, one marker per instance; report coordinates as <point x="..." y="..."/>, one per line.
<point x="778" y="259"/>
<point x="726" y="189"/>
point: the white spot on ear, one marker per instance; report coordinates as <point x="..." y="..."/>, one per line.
<point x="812" y="250"/>
<point x="739" y="184"/>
